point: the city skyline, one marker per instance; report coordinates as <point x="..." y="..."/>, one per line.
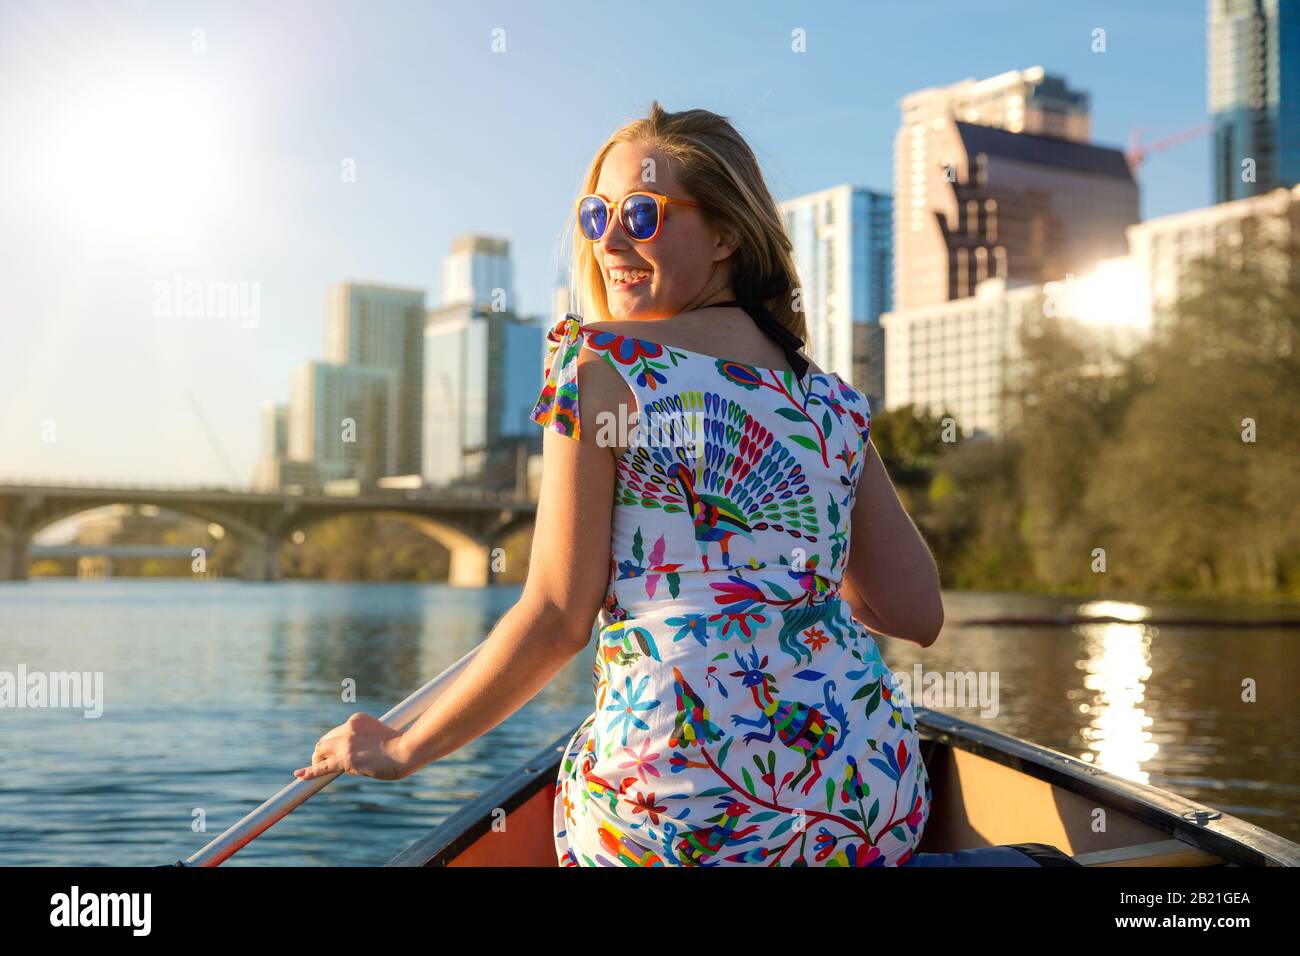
<point x="88" y="276"/>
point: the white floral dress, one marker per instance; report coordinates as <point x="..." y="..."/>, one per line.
<point x="742" y="716"/>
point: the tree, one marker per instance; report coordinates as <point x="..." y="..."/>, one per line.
<point x="1199" y="485"/>
<point x="973" y="521"/>
<point x="909" y="443"/>
<point x="1066" y="401"/>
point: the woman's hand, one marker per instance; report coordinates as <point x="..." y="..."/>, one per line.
<point x="362" y="747"/>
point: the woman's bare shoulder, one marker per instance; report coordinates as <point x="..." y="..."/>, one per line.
<point x="631" y="328"/>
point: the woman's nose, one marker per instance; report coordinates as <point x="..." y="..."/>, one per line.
<point x="614" y="239"/>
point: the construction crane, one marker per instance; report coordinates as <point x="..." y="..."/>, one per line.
<point x="212" y="440"/>
<point x="1137" y="151"/>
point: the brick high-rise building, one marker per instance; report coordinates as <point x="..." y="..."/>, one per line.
<point x="981" y="202"/>
<point x="995" y="178"/>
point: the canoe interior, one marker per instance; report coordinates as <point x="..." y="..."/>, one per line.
<point x="989" y="789"/>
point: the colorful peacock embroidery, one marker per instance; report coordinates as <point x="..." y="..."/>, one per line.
<point x="744" y="482"/>
<point x="741" y="715"/>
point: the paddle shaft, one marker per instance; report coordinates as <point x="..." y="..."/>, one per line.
<point x="299" y="792"/>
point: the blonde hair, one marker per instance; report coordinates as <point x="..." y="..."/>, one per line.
<point x="717" y="168"/>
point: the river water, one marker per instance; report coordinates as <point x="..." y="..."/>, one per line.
<point x="214" y="691"/>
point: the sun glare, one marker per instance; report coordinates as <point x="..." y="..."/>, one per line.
<point x="138" y="161"/>
<point x="1109" y="296"/>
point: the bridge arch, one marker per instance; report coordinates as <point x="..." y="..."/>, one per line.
<point x="469" y="526"/>
<point x="470" y="553"/>
<point x="261" y="558"/>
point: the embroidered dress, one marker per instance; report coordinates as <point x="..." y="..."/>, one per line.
<point x="742" y="715"/>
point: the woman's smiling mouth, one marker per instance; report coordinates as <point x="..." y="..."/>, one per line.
<point x="627" y="278"/>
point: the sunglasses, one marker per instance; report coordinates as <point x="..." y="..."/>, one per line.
<point x="641" y="214"/>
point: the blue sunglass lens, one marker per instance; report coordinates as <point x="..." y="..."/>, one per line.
<point x="640" y="216"/>
<point x="593" y="217"/>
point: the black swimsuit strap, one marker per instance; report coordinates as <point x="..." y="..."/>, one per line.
<point x="774" y="330"/>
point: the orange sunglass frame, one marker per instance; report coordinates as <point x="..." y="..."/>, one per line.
<point x="614" y="211"/>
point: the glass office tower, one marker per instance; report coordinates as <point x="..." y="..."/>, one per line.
<point x="842" y="247"/>
<point x="1254" y="94"/>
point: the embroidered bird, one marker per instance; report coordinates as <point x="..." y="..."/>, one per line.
<point x="723" y="467"/>
<point x="700" y="845"/>
<point x="691" y="726"/>
<point x="801" y="727"/>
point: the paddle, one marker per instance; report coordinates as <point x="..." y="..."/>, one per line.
<point x="295" y="794"/>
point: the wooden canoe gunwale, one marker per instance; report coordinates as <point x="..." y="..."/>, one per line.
<point x="455" y="834"/>
<point x="1231" y="839"/>
<point x="1228" y="837"/>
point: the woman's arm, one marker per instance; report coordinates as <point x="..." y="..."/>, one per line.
<point x="568" y="574"/>
<point x="891" y="581"/>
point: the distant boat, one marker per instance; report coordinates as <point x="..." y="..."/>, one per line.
<point x="989" y="789"/>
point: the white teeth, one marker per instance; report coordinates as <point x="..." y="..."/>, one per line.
<point x="619" y="276"/>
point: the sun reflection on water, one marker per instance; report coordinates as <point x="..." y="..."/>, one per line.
<point x="1125" y="610"/>
<point x="1116" y="669"/>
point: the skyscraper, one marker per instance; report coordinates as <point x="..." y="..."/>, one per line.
<point x="275" y="430"/>
<point x="382" y="327"/>
<point x="1163" y="248"/>
<point x="957" y="357"/>
<point x="275" y="469"/>
<point x="989" y="203"/>
<point x="997" y="193"/>
<point x="341" y="418"/>
<point x="929" y="210"/>
<point x="842" y="250"/>
<point x="1254" y="95"/>
<point x="482" y="374"/>
<point x="1018" y="101"/>
<point x="479" y="272"/>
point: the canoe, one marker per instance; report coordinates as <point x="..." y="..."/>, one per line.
<point x="989" y="790"/>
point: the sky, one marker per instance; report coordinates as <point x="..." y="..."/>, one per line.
<point x="274" y="149"/>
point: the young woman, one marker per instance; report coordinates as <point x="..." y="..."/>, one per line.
<point x="715" y="499"/>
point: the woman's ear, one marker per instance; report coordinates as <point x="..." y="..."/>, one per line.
<point x="726" y="243"/>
